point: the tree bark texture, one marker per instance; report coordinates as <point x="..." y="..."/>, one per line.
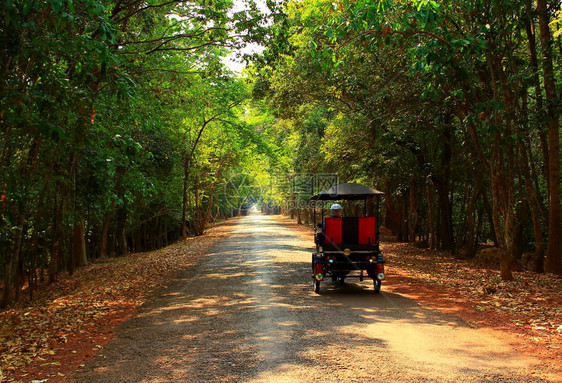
<point x="430" y="214"/>
<point x="413" y="215"/>
<point x="79" y="245"/>
<point x="553" y="262"/>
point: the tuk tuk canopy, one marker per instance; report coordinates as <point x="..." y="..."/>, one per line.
<point x="346" y="191"/>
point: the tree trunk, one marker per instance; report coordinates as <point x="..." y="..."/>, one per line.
<point x="431" y="224"/>
<point x="402" y="214"/>
<point x="292" y="207"/>
<point x="122" y="240"/>
<point x="207" y="214"/>
<point x="57" y="234"/>
<point x="446" y="235"/>
<point x="553" y="262"/>
<point x="203" y="217"/>
<point x="441" y="182"/>
<point x="79" y="245"/>
<point x="470" y="245"/>
<point x="184" y="200"/>
<point x="10" y="272"/>
<point x="34" y="241"/>
<point x="306" y="216"/>
<point x="502" y="168"/>
<point x="105" y="232"/>
<point x="392" y="221"/>
<point x="534" y="208"/>
<point x="521" y="217"/>
<point x="165" y="232"/>
<point x="533" y="60"/>
<point x="413" y="214"/>
<point x="503" y="216"/>
<point x="121" y="231"/>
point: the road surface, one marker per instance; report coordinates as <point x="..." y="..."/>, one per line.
<point x="246" y="312"/>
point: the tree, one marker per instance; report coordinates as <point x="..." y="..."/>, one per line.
<point x="553" y="258"/>
<point x="445" y="85"/>
<point x="93" y="102"/>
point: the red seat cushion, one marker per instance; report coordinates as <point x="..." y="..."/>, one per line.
<point x="367" y="230"/>
<point x="332" y="230"/>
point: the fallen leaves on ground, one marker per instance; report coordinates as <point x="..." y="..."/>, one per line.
<point x="31" y="332"/>
<point x="530" y="304"/>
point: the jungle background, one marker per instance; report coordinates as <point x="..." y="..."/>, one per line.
<point x="124" y="128"/>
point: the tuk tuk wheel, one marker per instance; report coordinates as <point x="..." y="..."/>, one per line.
<point x="377" y="285"/>
<point x="312" y="263"/>
<point x="317" y="287"/>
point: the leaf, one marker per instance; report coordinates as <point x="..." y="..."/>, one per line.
<point x="50" y="364"/>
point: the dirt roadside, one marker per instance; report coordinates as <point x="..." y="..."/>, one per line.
<point x="69" y="322"/>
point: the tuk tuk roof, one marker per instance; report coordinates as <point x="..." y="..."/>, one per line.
<point x="346" y="191"/>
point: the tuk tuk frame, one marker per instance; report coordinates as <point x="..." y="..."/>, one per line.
<point x="355" y="258"/>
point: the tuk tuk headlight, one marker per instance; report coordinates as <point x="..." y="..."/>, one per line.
<point x="380" y="276"/>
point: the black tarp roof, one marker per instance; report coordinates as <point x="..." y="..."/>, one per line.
<point x="350" y="191"/>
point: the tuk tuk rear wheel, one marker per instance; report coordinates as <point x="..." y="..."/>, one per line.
<point x="317" y="287"/>
<point x="377" y="285"/>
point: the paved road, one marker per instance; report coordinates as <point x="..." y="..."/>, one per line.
<point x="246" y="313"/>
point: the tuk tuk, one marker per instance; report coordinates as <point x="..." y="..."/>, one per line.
<point x="347" y="246"/>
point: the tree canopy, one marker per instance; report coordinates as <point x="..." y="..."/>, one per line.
<point x="122" y="129"/>
<point x="451" y="107"/>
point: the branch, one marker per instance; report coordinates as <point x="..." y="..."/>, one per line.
<point x="160" y="213"/>
<point x="403" y="34"/>
<point x="144" y="9"/>
<point x="211" y="43"/>
<point x="166" y="39"/>
<point x="177" y="72"/>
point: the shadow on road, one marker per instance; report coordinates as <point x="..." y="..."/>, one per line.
<point x="246" y="311"/>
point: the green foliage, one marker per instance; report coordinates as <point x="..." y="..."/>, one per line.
<point x="438" y="96"/>
<point x="122" y="115"/>
<point x="102" y="106"/>
<point x="556" y="23"/>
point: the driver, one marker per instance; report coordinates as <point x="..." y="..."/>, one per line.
<point x="336" y="210"/>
